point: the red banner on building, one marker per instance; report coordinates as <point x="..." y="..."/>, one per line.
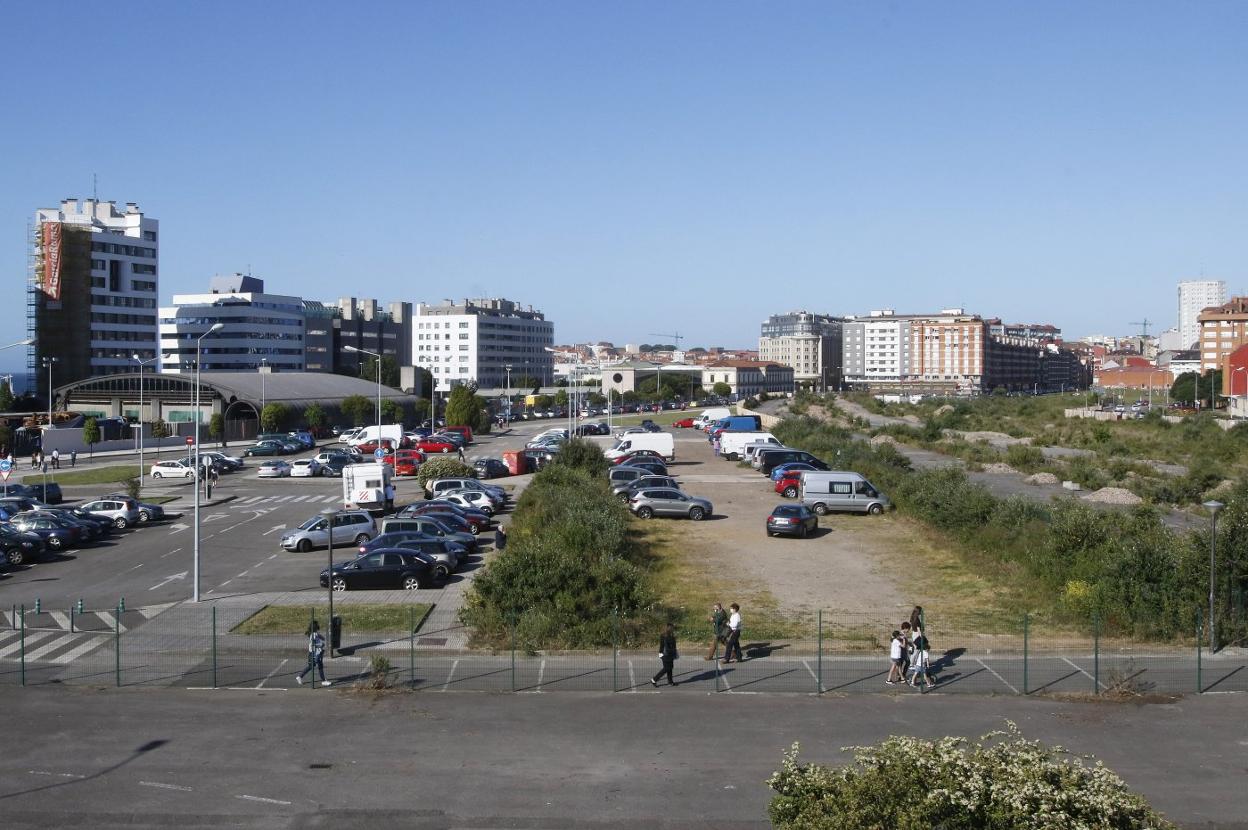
<point x="52" y="259"/>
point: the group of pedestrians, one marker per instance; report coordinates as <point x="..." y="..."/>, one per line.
<point x="727" y="630"/>
<point x="909" y="653"/>
<point x="39" y="461"/>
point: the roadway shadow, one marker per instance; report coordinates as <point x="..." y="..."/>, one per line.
<point x="133" y="756"/>
<point x="753" y="651"/>
<point x="947" y="660"/>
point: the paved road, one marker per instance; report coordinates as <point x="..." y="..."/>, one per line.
<point x="668" y="759"/>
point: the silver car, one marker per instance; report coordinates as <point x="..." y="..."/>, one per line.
<point x="351" y="527"/>
<point x="665" y="501"/>
<point x="625" y="489"/>
<point x="121" y="513"/>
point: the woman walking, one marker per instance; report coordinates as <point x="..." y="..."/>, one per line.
<point x="316" y="655"/>
<point x="921" y="660"/>
<point x="668" y="654"/>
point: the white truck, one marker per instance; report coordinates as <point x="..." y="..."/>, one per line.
<point x="392" y="433"/>
<point x="732" y="444"/>
<point x="368" y="487"/>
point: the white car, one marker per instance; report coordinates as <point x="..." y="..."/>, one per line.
<point x="173" y="469"/>
<point x="275" y="468"/>
<point x="305" y="468"/>
<point x="475" y="500"/>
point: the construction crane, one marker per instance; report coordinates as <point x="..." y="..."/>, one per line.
<point x="676" y="338"/>
<point x="1143" y="324"/>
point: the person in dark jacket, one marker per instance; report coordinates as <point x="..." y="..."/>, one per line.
<point x="316" y="655"/>
<point x="500" y="538"/>
<point x="719" y="626"/>
<point x="668" y="654"/>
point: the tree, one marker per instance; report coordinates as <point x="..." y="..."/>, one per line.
<point x="357" y="409"/>
<point x="274" y="416"/>
<point x="721" y="389"/>
<point x="216" y="428"/>
<point x="314" y="418"/>
<point x="543" y="402"/>
<point x="584" y="455"/>
<point x="561" y="397"/>
<point x="160" y="431"/>
<point x="1190" y="387"/>
<point x="392" y="411"/>
<point x="526" y="382"/>
<point x="389" y="371"/>
<point x="6" y="439"/>
<point x="422" y="406"/>
<point x="91" y="434"/>
<point x="6" y="396"/>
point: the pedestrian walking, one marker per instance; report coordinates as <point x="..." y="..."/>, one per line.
<point x="715" y="444"/>
<point x="921" y="660"/>
<point x="34" y="460"/>
<point x="895" y="649"/>
<point x="316" y="655"/>
<point x="73" y="458"/>
<point x="461" y="453"/>
<point x="56" y="458"/>
<point x="500" y="538"/>
<point x="719" y="629"/>
<point x="668" y="654"/>
<point x="916" y="618"/>
<point x="906" y="647"/>
<point x="733" y="641"/>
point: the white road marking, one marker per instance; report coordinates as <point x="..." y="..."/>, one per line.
<point x="541" y="671"/>
<point x="994" y="674"/>
<point x="60" y="618"/>
<point x="812" y="674"/>
<point x="273" y="529"/>
<point x="297" y="499"/>
<point x="632" y="679"/>
<point x="171" y="553"/>
<point x="167" y="580"/>
<point x="269" y="676"/>
<point x="109" y="620"/>
<point x="56" y="774"/>
<point x="258" y="798"/>
<point x="724" y="678"/>
<point x="178" y="528"/>
<point x="164" y="786"/>
<point x="136" y="567"/>
<point x="284" y="498"/>
<point x="71" y="655"/>
<point x="454" y="666"/>
<point x="223" y="584"/>
<point x="1084" y="673"/>
<point x="274" y="556"/>
<point x="51" y="646"/>
<point x="31" y="637"/>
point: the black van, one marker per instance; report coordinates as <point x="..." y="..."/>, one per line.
<point x="774" y="458"/>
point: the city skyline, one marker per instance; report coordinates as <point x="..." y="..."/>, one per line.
<point x="685" y="169"/>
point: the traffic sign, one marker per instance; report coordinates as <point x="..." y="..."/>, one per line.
<point x="4" y="474"/>
<point x="190" y="441"/>
<point x="379" y="453"/>
<point x="6" y="468"/>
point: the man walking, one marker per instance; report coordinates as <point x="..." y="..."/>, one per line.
<point x="733" y="643"/>
<point x="316" y="655"/>
<point x="56" y="458"/>
<point x="719" y="627"/>
<point x="73" y="458"/>
<point x="667" y="653"/>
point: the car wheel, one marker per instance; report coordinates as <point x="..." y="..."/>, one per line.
<point x="443" y="572"/>
<point x="156" y="474"/>
<point x="624" y="497"/>
<point x="790" y="492"/>
<point x="696" y="513"/>
<point x="55" y="543"/>
<point x="361" y="539"/>
<point x="339" y="584"/>
<point x="410" y="583"/>
<point x="644" y="512"/>
<point x="304" y="546"/>
<point x="875" y="509"/>
<point x="475" y="530"/>
<point x="120" y="523"/>
<point x="144" y="517"/>
<point x="16" y="557"/>
<point x="325" y="472"/>
<point x="820" y="509"/>
<point x="801" y="534"/>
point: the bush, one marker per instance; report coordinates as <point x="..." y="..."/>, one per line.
<point x="583" y="455"/>
<point x="446" y="466"/>
<point x="1001" y="782"/>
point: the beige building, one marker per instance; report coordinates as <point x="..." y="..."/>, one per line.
<point x="809" y="343"/>
<point x="749" y="377"/>
<point x="1223" y="329"/>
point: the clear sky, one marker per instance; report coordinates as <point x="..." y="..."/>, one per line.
<point x="632" y="168"/>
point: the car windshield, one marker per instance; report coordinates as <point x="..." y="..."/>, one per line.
<point x="314" y="523"/>
<point x="786" y="511"/>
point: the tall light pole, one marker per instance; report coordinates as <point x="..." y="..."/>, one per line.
<point x="48" y="362"/>
<point x="198" y="471"/>
<point x="507" y="408"/>
<point x="136" y="359"/>
<point x="328" y="514"/>
<point x="378" y="358"/>
<point x="1213" y="507"/>
<point x="264" y="363"/>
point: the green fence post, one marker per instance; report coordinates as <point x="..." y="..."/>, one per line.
<point x="117" y="645"/>
<point x="214" y="646"/>
<point x="1200" y="636"/>
<point x="1026" y="626"/>
<point x="513" y="653"/>
<point x="71" y="619"/>
<point x="22" y="643"/>
<point x="1096" y="654"/>
<point x="615" y="649"/>
<point x="819" y="656"/>
<point x="411" y="646"/>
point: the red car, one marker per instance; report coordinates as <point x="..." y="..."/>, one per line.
<point x="405" y="462"/>
<point x="683" y="423"/>
<point x="789" y="486"/>
<point x="432" y="445"/>
<point x="624" y="459"/>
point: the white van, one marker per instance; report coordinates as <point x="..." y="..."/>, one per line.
<point x="731" y="444"/>
<point x="841" y="490"/>
<point x="386" y="432"/>
<point x="710" y="416"/>
<point x="660" y="442"/>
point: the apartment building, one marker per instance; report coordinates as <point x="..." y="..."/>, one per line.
<point x="809" y="343"/>
<point x="1194" y="297"/>
<point x="748" y="378"/>
<point x="259" y="329"/>
<point x="1223" y="329"/>
<point x="478" y="340"/>
<point x="92" y="292"/>
<point x="360" y="323"/>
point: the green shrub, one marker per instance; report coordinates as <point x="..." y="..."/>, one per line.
<point x="446" y="466"/>
<point x="1024" y="458"/>
<point x="582" y="455"/>
<point x="1001" y="782"/>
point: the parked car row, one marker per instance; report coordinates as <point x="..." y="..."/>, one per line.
<point x="31" y="530"/>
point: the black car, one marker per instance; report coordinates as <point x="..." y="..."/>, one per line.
<point x="21" y="548"/>
<point x="792" y="520"/>
<point x="490" y="468"/>
<point x="93" y="527"/>
<point x="388" y="568"/>
<point x="333" y="466"/>
<point x="49" y="493"/>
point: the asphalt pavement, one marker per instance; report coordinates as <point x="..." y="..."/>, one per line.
<point x="669" y="759"/>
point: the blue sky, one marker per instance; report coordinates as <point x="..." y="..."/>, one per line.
<point x="632" y="168"/>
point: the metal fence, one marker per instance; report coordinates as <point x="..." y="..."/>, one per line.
<point x="201" y="646"/>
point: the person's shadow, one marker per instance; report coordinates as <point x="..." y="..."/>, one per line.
<point x="947" y="660"/>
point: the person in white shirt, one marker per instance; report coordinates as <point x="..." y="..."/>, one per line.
<point x="733" y="643"/>
<point x="896" y="655"/>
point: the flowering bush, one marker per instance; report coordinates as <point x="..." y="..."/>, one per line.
<point x="1001" y="782"/>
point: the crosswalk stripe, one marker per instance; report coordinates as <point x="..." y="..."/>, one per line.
<point x="60" y="618"/>
<point x="88" y="644"/>
<point x="330" y="499"/>
<point x="54" y="645"/>
<point x="31" y="637"/>
<point x="109" y="620"/>
<point x="297" y="499"/>
<point x="285" y="498"/>
<point x="253" y="499"/>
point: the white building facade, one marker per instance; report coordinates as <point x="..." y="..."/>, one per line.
<point x="1194" y="297"/>
<point x="259" y="329"/>
<point x="479" y="340"/>
<point x="809" y="343"/>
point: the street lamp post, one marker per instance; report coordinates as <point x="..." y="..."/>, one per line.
<point x="507" y="408"/>
<point x="47" y="361"/>
<point x="199" y="474"/>
<point x="328" y="514"/>
<point x="1213" y="507"/>
<point x="142" y="363"/>
<point x="264" y="364"/>
<point x="378" y="358"/>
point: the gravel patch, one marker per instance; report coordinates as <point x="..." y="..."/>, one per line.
<point x="997" y="439"/>
<point x="883" y="439"/>
<point x="999" y="467"/>
<point x="1113" y="495"/>
<point x="944" y="410"/>
<point x="1042" y="478"/>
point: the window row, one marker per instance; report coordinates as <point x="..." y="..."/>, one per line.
<point x="124" y="250"/>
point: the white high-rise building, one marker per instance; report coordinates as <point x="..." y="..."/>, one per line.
<point x="479" y="340"/>
<point x="1194" y="297"/>
<point x="93" y="292"/>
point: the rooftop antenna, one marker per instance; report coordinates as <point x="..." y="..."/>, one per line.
<point x="95" y="188"/>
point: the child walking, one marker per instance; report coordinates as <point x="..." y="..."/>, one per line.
<point x="316" y="655"/>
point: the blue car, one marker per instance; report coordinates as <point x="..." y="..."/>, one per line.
<point x="792" y="467"/>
